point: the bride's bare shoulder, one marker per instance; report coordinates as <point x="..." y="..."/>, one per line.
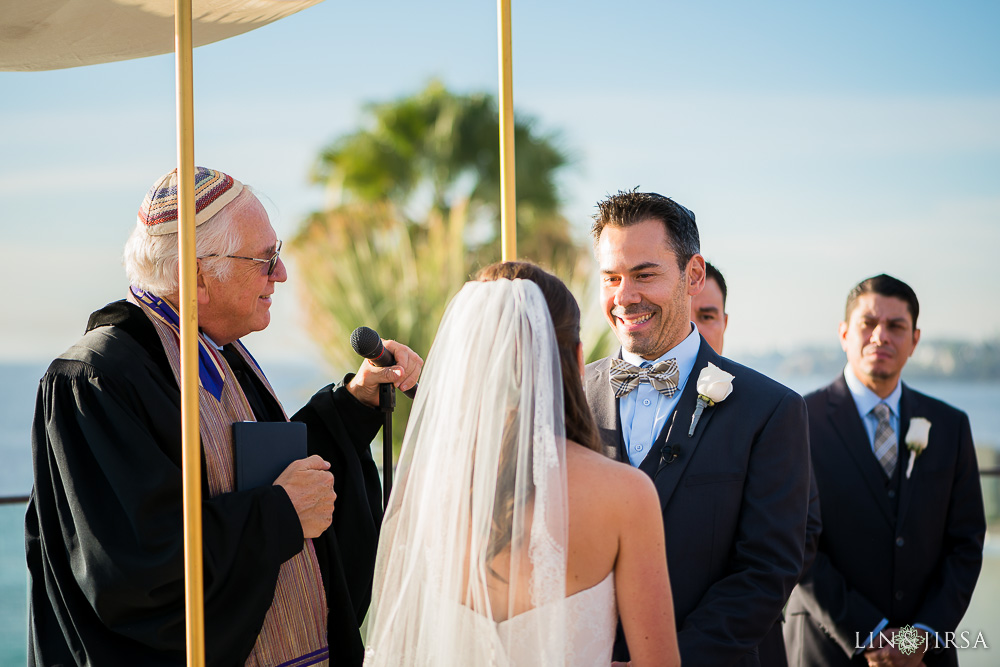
<point x="600" y="473"/>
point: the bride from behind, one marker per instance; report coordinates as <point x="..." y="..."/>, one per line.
<point x="509" y="539"/>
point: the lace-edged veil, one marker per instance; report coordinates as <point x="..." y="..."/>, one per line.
<point x="476" y="528"/>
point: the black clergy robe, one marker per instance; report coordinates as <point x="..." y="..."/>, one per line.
<point x="103" y="528"/>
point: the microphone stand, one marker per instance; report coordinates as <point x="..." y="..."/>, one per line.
<point x="386" y="403"/>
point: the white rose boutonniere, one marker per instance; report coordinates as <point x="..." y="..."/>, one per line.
<point x="714" y="386"/>
<point x="916" y="440"/>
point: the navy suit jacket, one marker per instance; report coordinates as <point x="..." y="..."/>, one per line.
<point x="734" y="503"/>
<point x="908" y="550"/>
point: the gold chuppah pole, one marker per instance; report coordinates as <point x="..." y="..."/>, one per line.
<point x="508" y="205"/>
<point x="194" y="588"/>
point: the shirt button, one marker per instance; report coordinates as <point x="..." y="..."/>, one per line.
<point x="638" y="448"/>
<point x="645" y="402"/>
<point x="899" y="595"/>
<point x="900" y="541"/>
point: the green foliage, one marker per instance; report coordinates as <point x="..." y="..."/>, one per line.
<point x="414" y="213"/>
<point x="442" y="147"/>
<point x="365" y="264"/>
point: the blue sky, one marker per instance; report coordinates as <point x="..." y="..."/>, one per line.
<point x="818" y="144"/>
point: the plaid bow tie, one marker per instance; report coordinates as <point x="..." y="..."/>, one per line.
<point x="663" y="376"/>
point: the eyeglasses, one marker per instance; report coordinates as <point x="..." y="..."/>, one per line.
<point x="271" y="262"/>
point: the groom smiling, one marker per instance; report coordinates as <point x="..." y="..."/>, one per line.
<point x="726" y="447"/>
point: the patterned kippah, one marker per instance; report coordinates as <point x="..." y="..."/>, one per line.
<point x="212" y="191"/>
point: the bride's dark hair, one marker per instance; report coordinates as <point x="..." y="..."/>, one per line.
<point x="565" y="313"/>
<point x="579" y="420"/>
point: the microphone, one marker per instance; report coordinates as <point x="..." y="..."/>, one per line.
<point x="669" y="454"/>
<point x="367" y="343"/>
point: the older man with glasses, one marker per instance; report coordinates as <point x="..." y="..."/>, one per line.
<point x="287" y="579"/>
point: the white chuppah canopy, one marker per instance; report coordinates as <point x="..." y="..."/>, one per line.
<point x="55" y="34"/>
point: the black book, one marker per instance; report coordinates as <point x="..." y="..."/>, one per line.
<point x="262" y="451"/>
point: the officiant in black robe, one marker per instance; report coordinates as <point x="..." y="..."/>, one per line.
<point x="287" y="576"/>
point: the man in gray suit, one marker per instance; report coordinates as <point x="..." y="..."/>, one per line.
<point x="725" y="446"/>
<point x="902" y="541"/>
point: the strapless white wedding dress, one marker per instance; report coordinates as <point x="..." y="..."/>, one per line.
<point x="591" y="620"/>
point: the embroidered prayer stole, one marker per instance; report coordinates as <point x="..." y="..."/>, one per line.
<point x="294" y="630"/>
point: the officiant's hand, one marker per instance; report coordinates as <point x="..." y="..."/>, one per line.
<point x="309" y="484"/>
<point x="364" y="385"/>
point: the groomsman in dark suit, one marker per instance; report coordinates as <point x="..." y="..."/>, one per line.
<point x="708" y="312"/>
<point x="902" y="508"/>
<point x="725" y="446"/>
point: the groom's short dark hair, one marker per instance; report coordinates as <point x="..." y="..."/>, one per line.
<point x="630" y="207"/>
<point x="883" y="285"/>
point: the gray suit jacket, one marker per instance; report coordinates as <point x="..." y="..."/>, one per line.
<point x="734" y="497"/>
<point x="908" y="550"/>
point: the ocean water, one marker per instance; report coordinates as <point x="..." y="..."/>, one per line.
<point x="295" y="383"/>
<point x="13" y="587"/>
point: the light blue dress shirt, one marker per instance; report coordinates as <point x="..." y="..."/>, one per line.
<point x="644" y="411"/>
<point x="865" y="400"/>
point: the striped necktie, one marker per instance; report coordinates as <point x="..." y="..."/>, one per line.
<point x="885" y="439"/>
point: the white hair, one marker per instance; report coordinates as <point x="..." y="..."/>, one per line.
<point x="151" y="262"/>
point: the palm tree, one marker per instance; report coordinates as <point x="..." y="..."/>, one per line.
<point x="413" y="211"/>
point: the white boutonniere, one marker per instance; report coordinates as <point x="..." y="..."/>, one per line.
<point x="916" y="440"/>
<point x="714" y="385"/>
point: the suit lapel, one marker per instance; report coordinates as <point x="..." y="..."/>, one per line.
<point x="674" y="449"/>
<point x="908" y="408"/>
<point x="605" y="408"/>
<point x="843" y="415"/>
